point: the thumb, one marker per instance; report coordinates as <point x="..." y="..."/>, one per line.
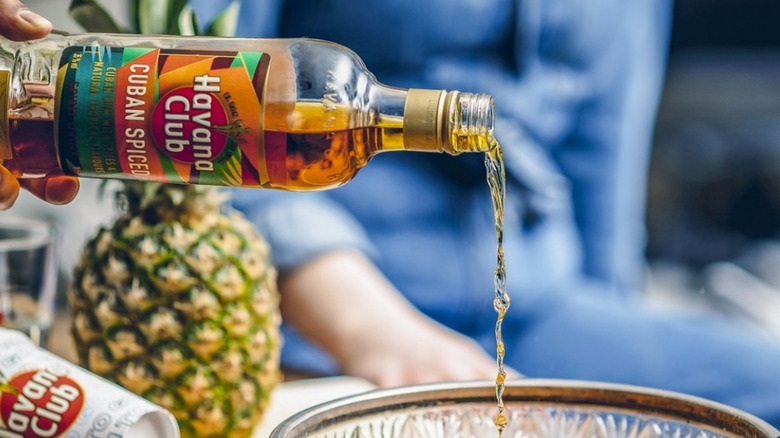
<point x="19" y="23"/>
<point x="55" y="189"/>
<point x="9" y="189"/>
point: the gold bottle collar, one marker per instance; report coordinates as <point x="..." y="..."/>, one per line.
<point x="426" y="120"/>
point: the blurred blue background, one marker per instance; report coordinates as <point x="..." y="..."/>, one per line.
<point x="714" y="196"/>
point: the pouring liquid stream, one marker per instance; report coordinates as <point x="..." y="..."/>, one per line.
<point x="496" y="179"/>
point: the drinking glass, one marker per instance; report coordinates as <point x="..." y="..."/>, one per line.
<point x="28" y="273"/>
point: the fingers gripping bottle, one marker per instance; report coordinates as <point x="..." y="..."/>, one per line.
<point x="294" y="114"/>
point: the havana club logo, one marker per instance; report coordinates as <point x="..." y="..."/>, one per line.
<point x="188" y="123"/>
<point x="39" y="404"/>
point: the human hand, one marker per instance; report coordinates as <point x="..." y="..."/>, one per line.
<point x="55" y="189"/>
<point x="419" y="350"/>
<point x="343" y="303"/>
<point x="18" y="23"/>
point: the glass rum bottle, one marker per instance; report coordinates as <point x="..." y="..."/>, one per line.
<point x="294" y="114"/>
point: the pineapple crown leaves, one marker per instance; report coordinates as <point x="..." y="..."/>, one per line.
<point x="151" y="200"/>
<point x="173" y="17"/>
<point x="156" y="202"/>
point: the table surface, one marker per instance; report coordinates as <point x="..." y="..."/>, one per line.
<point x="291" y="397"/>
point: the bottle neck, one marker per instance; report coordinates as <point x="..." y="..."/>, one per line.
<point x="452" y="122"/>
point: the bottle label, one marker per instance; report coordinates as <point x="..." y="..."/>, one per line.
<point x="174" y="116"/>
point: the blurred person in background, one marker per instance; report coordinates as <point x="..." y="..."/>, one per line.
<point x="390" y="277"/>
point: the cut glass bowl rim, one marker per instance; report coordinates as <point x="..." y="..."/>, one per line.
<point x="623" y="399"/>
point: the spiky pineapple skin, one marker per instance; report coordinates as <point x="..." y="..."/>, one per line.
<point x="183" y="311"/>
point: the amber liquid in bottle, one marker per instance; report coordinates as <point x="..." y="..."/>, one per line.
<point x="31" y="133"/>
<point x="322" y="151"/>
<point x="27" y="138"/>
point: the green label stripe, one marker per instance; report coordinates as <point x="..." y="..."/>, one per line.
<point x="86" y="128"/>
<point x="130" y="54"/>
<point x="250" y="60"/>
<point x="167" y="165"/>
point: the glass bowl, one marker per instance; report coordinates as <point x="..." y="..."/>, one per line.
<point x="536" y="408"/>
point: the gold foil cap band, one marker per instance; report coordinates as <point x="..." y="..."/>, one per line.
<point x="452" y="122"/>
<point x="424" y="120"/>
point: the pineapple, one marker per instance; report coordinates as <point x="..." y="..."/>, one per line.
<point x="177" y="302"/>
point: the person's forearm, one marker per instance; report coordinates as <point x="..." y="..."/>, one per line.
<point x="340" y="300"/>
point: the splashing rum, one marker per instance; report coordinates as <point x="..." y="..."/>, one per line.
<point x="496" y="178"/>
